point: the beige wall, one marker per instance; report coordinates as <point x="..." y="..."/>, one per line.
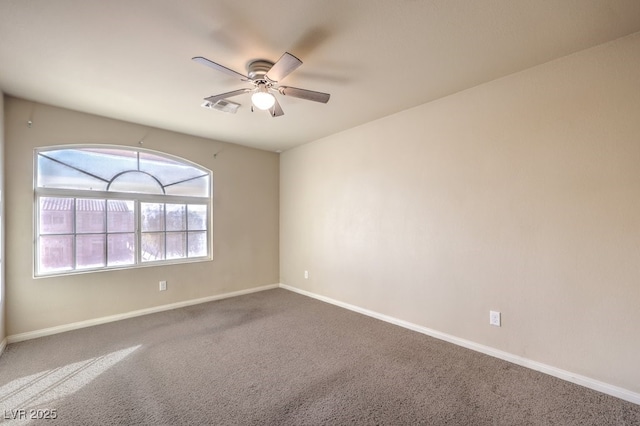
<point x="3" y="333"/>
<point x="245" y="229"/>
<point x="521" y="195"/>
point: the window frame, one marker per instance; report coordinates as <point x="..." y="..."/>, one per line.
<point x="137" y="197"/>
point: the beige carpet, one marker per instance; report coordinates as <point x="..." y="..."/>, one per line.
<point x="276" y="357"/>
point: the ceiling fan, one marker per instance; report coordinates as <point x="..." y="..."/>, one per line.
<point x="265" y="76"/>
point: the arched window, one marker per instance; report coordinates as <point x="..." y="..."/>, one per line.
<point x="102" y="208"/>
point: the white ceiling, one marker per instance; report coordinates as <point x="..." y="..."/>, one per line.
<point x="131" y="59"/>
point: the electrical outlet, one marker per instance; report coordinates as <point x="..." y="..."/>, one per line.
<point x="306" y="275"/>
<point x="163" y="285"/>
<point x="494" y="318"/>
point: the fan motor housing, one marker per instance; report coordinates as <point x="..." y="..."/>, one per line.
<point x="256" y="70"/>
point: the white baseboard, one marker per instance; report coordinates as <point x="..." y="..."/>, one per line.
<point x="587" y="382"/>
<point x="111" y="318"/>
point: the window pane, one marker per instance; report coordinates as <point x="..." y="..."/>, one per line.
<point x="90" y="251"/>
<point x="52" y="174"/>
<point x="197" y="216"/>
<point x="197" y="244"/>
<point x="120" y="170"/>
<point x="152" y="217"/>
<point x="102" y="163"/>
<point x="120" y="216"/>
<point x="56" y="215"/>
<point x="168" y="170"/>
<point x="198" y="187"/>
<point x="56" y="253"/>
<point x="176" y="245"/>
<point x="152" y="246"/>
<point x="176" y="217"/>
<point x="121" y="249"/>
<point x="135" y="181"/>
<point x="90" y="216"/>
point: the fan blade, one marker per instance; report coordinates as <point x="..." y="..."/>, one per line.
<point x="309" y="95"/>
<point x="285" y="65"/>
<point x="276" y="109"/>
<point x="216" y="98"/>
<point x="211" y="64"/>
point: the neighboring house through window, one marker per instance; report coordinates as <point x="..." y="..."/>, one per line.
<point x="102" y="208"/>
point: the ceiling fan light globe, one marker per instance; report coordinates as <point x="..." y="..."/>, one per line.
<point x="263" y="100"/>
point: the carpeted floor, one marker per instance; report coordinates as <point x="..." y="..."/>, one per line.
<point x="276" y="357"/>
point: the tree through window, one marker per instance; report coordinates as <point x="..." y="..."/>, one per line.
<point x="99" y="208"/>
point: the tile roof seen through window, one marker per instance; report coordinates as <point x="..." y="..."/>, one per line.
<point x="65" y="204"/>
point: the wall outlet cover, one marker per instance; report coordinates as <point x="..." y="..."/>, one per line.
<point x="494" y="318"/>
